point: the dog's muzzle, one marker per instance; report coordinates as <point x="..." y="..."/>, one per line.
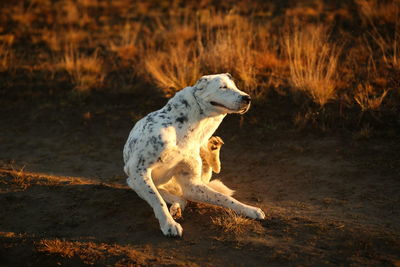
<point x="245" y="103"/>
<point x="246" y="99"/>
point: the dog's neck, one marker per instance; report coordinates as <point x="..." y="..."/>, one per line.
<point x="201" y="111"/>
<point x="197" y="125"/>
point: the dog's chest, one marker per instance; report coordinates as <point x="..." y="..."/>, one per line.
<point x="198" y="133"/>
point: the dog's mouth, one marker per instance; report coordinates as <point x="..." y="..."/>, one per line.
<point x="219" y="105"/>
<point x="240" y="111"/>
<point x="244" y="109"/>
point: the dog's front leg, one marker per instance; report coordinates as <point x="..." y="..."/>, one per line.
<point x="143" y="185"/>
<point x="189" y="177"/>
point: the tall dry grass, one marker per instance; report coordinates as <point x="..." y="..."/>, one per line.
<point x="379" y="11"/>
<point x="231" y="49"/>
<point x="72" y="13"/>
<point x="389" y="45"/>
<point x="53" y="40"/>
<point x="170" y="55"/>
<point x="368" y="97"/>
<point x="211" y="43"/>
<point x="313" y="62"/>
<point x="125" y="45"/>
<point x="172" y="46"/>
<point x="380" y="16"/>
<point x="174" y="68"/>
<point x="86" y="71"/>
<point x="23" y="15"/>
<point x="59" y="42"/>
<point x="382" y="41"/>
<point x="7" y="55"/>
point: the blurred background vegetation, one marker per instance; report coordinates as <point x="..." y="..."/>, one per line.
<point x="315" y="64"/>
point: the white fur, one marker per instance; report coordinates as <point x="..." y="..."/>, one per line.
<point x="164" y="147"/>
<point x="219" y="186"/>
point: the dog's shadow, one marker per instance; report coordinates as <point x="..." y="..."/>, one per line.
<point x="76" y="211"/>
<point x="42" y="209"/>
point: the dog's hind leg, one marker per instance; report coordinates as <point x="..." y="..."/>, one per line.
<point x="143" y="185"/>
<point x="194" y="189"/>
<point x="219" y="186"/>
<point x="203" y="193"/>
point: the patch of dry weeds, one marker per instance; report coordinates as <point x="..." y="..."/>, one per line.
<point x="88" y="252"/>
<point x="230" y="222"/>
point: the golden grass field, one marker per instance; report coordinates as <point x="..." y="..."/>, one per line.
<point x="318" y="150"/>
<point x="338" y="61"/>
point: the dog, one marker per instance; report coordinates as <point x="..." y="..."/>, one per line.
<point x="166" y="144"/>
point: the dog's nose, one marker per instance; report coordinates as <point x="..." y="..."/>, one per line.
<point x="246" y="99"/>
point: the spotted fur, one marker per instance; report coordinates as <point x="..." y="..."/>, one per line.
<point x="165" y="145"/>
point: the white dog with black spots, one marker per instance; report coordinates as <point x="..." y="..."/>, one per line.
<point x="163" y="151"/>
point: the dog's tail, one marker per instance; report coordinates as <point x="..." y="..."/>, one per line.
<point x="219" y="186"/>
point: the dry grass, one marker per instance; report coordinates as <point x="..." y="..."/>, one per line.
<point x="369" y="98"/>
<point x="173" y="69"/>
<point x="170" y="47"/>
<point x="126" y="43"/>
<point x="378" y="10"/>
<point x="88" y="252"/>
<point x="188" y="49"/>
<point x="72" y="13"/>
<point x="86" y="72"/>
<point x="171" y="57"/>
<point x="73" y="37"/>
<point x="23" y="15"/>
<point x="231" y="222"/>
<point x="7" y="55"/>
<point x="19" y="178"/>
<point x="389" y="46"/>
<point x="53" y="40"/>
<point x="376" y="13"/>
<point x="62" y="42"/>
<point x="313" y="62"/>
<point x="231" y="49"/>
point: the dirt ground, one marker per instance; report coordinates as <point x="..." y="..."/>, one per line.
<point x="330" y="198"/>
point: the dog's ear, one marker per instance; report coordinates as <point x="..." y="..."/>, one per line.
<point x="229" y="76"/>
<point x="202" y="83"/>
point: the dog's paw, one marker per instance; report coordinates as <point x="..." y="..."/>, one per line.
<point x="172" y="229"/>
<point x="176" y="211"/>
<point x="256" y="213"/>
<point x="215" y="143"/>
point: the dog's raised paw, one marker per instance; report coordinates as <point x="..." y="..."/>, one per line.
<point x="172" y="229"/>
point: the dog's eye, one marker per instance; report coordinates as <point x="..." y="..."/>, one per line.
<point x="224" y="87"/>
<point x="213" y="147"/>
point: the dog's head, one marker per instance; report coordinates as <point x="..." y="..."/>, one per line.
<point x="219" y="95"/>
